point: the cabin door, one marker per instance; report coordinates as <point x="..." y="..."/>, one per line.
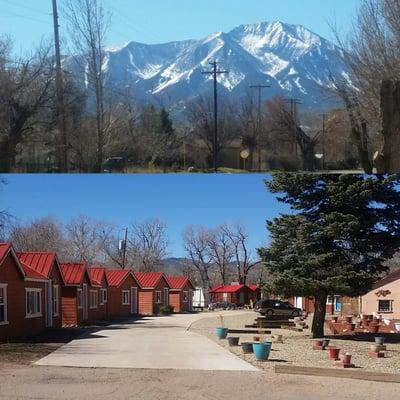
<point x="134" y="300"/>
<point x="49" y="304"/>
<point x="85" y="302"/>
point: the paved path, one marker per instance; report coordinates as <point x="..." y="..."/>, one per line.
<point x="150" y="343"/>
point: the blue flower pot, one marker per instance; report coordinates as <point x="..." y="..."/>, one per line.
<point x="262" y="350"/>
<point x="380" y="340"/>
<point x="222" y="333"/>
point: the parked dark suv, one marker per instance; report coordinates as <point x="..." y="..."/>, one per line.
<point x="277" y="307"/>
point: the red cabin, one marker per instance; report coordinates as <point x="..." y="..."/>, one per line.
<point x="122" y="293"/>
<point x="75" y="294"/>
<point x="181" y="293"/>
<point x="22" y="297"/>
<point x="153" y="292"/>
<point x="240" y="295"/>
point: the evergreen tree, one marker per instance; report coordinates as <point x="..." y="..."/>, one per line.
<point x="342" y="230"/>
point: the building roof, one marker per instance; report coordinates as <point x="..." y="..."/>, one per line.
<point x="97" y="274"/>
<point x="227" y="289"/>
<point x="42" y="263"/>
<point x="178" y="282"/>
<point x="149" y="280"/>
<point x="73" y="273"/>
<point x="254" y="287"/>
<point x="393" y="276"/>
<point x="4" y="249"/>
<point x="30" y="273"/>
<point x="116" y="277"/>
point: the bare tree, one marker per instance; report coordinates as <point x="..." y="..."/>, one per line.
<point x="196" y="244"/>
<point x="148" y="244"/>
<point x="88" y="28"/>
<point x="222" y="251"/>
<point x="45" y="234"/>
<point x="242" y="254"/>
<point x="5" y="217"/>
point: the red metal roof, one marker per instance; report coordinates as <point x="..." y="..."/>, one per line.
<point x="149" y="280"/>
<point x="73" y="273"/>
<point x="32" y="274"/>
<point x="39" y="262"/>
<point x="178" y="282"/>
<point x="96" y="274"/>
<point x="227" y="289"/>
<point x="4" y="249"/>
<point x="116" y="277"/>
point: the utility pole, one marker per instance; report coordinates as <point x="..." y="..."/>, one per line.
<point x="124" y="249"/>
<point x="294" y="115"/>
<point x="62" y="125"/>
<point x="215" y="72"/>
<point x="260" y="89"/>
<point x="323" y="141"/>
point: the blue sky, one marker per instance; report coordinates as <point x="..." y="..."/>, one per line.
<point x="154" y="21"/>
<point x="178" y="200"/>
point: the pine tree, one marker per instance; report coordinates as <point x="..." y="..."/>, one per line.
<point x="341" y="231"/>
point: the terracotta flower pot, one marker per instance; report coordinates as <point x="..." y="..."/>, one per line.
<point x="346" y="359"/>
<point x="375" y="348"/>
<point x="334" y="353"/>
<point x="349" y="319"/>
<point x="319" y="343"/>
<point x="373" y="328"/>
<point x="351" y="327"/>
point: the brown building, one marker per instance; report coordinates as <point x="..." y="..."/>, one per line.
<point x="47" y="265"/>
<point x="181" y="293"/>
<point x="239" y="295"/>
<point x="75" y="294"/>
<point x="153" y="292"/>
<point x="98" y="294"/>
<point x="22" y="297"/>
<point x="123" y="290"/>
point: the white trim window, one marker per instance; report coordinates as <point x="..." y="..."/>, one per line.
<point x="56" y="301"/>
<point x="385" y="306"/>
<point x="126" y="298"/>
<point x="103" y="296"/>
<point x="94" y="299"/>
<point x="3" y="304"/>
<point x="185" y="297"/>
<point x="158" y="297"/>
<point x="79" y="298"/>
<point x="33" y="302"/>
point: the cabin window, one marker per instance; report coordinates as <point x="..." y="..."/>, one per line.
<point x="79" y="298"/>
<point x="56" y="300"/>
<point x="3" y="304"/>
<point x="158" y="297"/>
<point x="33" y="303"/>
<point x="385" y="306"/>
<point x="185" y="297"/>
<point x="125" y="298"/>
<point x="103" y="296"/>
<point x="94" y="298"/>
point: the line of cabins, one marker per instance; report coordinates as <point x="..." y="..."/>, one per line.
<point x="37" y="291"/>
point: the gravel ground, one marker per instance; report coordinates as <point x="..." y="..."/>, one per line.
<point x="296" y="348"/>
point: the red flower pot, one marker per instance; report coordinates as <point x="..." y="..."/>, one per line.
<point x="334" y="353"/>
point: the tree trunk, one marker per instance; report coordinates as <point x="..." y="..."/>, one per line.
<point x="317" y="330"/>
<point x="390" y="107"/>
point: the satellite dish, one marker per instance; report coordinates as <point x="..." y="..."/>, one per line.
<point x="245" y="154"/>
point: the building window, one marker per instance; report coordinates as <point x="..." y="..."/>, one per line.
<point x="125" y="298"/>
<point x="33" y="303"/>
<point x="158" y="297"/>
<point x="56" y="300"/>
<point x="103" y="296"/>
<point x="3" y="304"/>
<point x="385" y="306"/>
<point x="185" y="297"/>
<point x="79" y="297"/>
<point x="94" y="298"/>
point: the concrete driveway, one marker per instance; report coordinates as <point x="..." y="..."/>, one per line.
<point x="149" y="343"/>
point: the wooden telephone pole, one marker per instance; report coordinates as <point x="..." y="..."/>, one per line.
<point x="260" y="89"/>
<point x="215" y="72"/>
<point x="294" y="103"/>
<point x="62" y="125"/>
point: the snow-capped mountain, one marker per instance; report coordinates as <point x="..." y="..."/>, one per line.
<point x="294" y="61"/>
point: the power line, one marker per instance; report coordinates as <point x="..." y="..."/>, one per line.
<point x="215" y="72"/>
